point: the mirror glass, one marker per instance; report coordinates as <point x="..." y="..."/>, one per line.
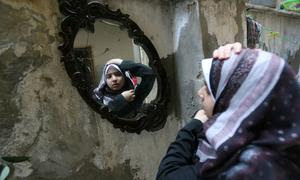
<point x="111" y="85"/>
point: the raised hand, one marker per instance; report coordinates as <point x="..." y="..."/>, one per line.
<point x="128" y="95"/>
<point x="200" y="115"/>
<point x="223" y="52"/>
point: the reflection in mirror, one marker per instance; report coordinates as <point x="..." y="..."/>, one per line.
<point x="111" y="36"/>
<point x="120" y="74"/>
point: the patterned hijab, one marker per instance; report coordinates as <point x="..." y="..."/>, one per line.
<point x="257" y="102"/>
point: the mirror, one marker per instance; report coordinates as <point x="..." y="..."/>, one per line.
<point x="114" y="66"/>
<point x="109" y="42"/>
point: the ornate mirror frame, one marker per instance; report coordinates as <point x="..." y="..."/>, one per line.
<point x="82" y="14"/>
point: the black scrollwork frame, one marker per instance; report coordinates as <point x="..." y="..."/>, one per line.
<point x="82" y="14"/>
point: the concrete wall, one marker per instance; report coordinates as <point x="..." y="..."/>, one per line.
<point x="42" y="114"/>
<point x="286" y="42"/>
<point x="44" y="117"/>
<point x="222" y="22"/>
<point x="199" y="28"/>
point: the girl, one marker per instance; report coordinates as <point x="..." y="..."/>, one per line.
<point x="118" y="88"/>
<point x="249" y="128"/>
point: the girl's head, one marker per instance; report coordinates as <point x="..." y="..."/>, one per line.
<point x="114" y="77"/>
<point x="240" y="81"/>
<point x="256" y="100"/>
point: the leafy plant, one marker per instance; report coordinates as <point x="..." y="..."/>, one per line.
<point x="273" y="34"/>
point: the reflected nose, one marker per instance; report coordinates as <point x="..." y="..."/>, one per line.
<point x="114" y="78"/>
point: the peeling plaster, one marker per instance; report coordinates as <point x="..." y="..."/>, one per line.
<point x="217" y="25"/>
<point x="188" y="54"/>
<point x="5" y="47"/>
<point x="181" y="21"/>
<point x="23" y="169"/>
<point x="64" y="137"/>
<point x="20" y="49"/>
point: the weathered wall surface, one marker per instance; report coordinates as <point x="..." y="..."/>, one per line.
<point x="199" y="28"/>
<point x="188" y="53"/>
<point x="44" y="117"/>
<point x="222" y="22"/>
<point x="280" y="34"/>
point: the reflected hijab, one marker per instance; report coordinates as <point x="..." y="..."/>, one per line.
<point x="257" y="102"/>
<point x="129" y="82"/>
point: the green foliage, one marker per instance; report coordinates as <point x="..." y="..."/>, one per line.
<point x="273" y="34"/>
<point x="291" y="5"/>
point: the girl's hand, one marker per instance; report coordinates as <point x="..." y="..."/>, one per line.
<point x="128" y="95"/>
<point x="201" y="116"/>
<point x="223" y="52"/>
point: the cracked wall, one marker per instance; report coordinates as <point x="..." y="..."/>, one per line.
<point x="42" y="114"/>
<point x="199" y="28"/>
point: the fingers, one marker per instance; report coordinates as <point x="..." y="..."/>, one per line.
<point x="201" y="112"/>
<point x="131" y="95"/>
<point x="216" y="54"/>
<point x="237" y="47"/>
<point x="200" y="115"/>
<point x="221" y="52"/>
<point x="224" y="52"/>
<point x="129" y="92"/>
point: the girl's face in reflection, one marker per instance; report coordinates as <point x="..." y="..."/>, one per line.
<point x="114" y="79"/>
<point x="207" y="100"/>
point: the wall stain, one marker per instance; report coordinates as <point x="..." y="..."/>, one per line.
<point x="190" y="7"/>
<point x="209" y="42"/>
<point x="240" y="7"/>
<point x="48" y="81"/>
<point x="13" y="69"/>
<point x="168" y="64"/>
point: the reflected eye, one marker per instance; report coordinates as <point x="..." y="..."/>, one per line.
<point x="108" y="76"/>
<point x="118" y="74"/>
